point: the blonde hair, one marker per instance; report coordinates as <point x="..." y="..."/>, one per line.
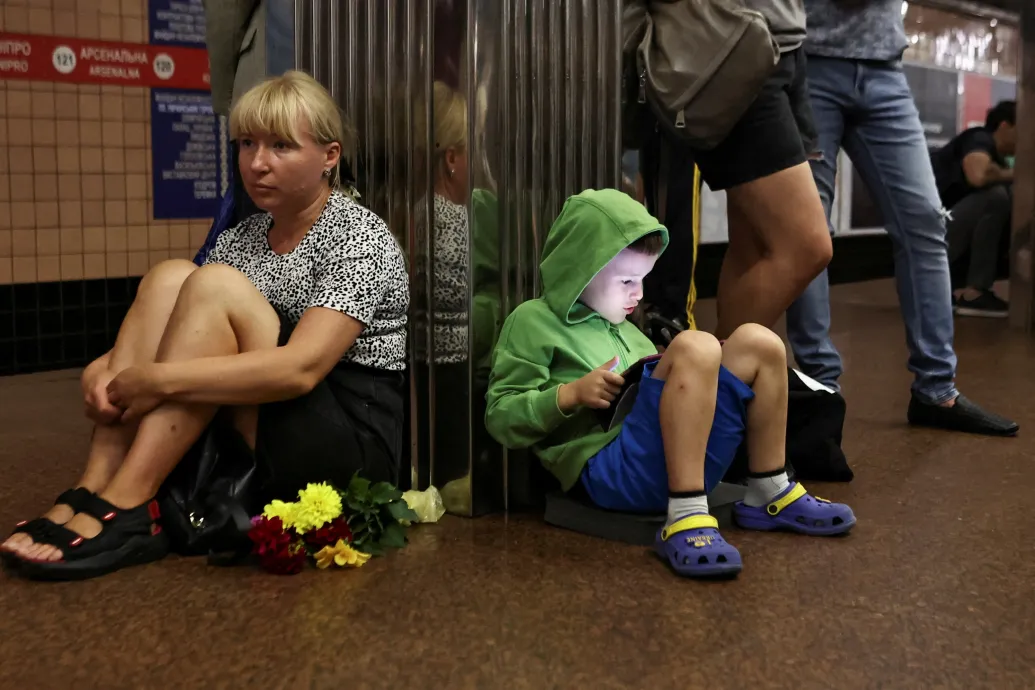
<point x="450" y="118"/>
<point x="274" y="105"/>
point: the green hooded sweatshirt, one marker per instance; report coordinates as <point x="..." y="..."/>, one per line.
<point x="556" y="339"/>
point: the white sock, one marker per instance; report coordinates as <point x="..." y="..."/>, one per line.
<point x="679" y="508"/>
<point x="762" y="490"/>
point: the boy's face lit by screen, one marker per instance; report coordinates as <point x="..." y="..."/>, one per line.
<point x="618" y="288"/>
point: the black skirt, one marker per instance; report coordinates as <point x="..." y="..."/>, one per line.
<point x="352" y="421"/>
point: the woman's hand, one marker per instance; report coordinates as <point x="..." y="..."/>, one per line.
<point x="135" y="390"/>
<point x="95" y="395"/>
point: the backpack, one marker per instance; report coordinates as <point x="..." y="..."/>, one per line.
<point x="694" y="65"/>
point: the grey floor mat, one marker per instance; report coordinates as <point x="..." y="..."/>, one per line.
<point x="639" y="529"/>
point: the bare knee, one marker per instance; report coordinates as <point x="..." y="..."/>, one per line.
<point x="785" y="214"/>
<point x="695" y="348"/>
<point x="758" y="343"/>
<point x="219" y="281"/>
<point x="820" y="251"/>
<point x="806" y="253"/>
<point x="228" y="291"/>
<point x="166" y="277"/>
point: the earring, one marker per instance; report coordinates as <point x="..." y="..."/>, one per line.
<point x="326" y="173"/>
<point x="452" y="172"/>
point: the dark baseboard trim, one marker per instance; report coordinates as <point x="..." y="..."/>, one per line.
<point x="60" y="325"/>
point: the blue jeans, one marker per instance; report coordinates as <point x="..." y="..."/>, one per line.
<point x="868" y="110"/>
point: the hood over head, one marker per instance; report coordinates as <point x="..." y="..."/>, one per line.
<point x="591" y="230"/>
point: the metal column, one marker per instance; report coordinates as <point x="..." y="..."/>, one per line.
<point x="541" y="82"/>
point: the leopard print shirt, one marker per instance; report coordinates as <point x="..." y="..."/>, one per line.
<point x="348" y="261"/>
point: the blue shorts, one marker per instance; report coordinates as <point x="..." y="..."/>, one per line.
<point x="629" y="474"/>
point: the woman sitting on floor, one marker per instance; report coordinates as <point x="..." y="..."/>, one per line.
<point x="295" y="325"/>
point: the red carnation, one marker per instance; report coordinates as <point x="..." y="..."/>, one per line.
<point x="329" y="534"/>
<point x="269" y="536"/>
<point x="289" y="560"/>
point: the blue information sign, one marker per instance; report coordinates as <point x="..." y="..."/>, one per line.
<point x="189" y="155"/>
<point x="177" y="22"/>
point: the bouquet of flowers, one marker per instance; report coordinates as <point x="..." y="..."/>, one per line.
<point x="333" y="527"/>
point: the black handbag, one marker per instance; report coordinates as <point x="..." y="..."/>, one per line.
<point x="208" y="499"/>
<point x="815" y="421"/>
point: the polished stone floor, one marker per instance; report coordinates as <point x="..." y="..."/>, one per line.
<point x="934" y="589"/>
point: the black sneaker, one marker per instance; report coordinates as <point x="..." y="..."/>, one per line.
<point x="986" y="305"/>
<point x="964" y="416"/>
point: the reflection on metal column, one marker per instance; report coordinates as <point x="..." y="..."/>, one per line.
<point x="476" y="119"/>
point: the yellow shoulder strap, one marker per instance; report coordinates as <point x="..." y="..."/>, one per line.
<point x="691" y="298"/>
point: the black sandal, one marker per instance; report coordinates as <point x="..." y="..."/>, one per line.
<point x="127" y="537"/>
<point x="40" y="527"/>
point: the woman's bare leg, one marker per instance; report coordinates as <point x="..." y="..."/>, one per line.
<point x="137" y="343"/>
<point x="219" y="312"/>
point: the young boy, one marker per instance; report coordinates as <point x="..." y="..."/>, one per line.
<point x="556" y="361"/>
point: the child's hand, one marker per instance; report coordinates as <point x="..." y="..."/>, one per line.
<point x="597" y="389"/>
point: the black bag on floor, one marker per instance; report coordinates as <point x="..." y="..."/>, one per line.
<point x="815" y="422"/>
<point x="208" y="499"/>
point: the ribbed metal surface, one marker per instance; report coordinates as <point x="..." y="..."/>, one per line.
<point x="541" y="80"/>
<point x="544" y="88"/>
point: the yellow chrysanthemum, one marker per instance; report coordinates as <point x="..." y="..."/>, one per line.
<point x="285" y="511"/>
<point x="317" y="505"/>
<point x="342" y="555"/>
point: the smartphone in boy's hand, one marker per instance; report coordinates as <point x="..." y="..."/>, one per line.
<point x="622" y="404"/>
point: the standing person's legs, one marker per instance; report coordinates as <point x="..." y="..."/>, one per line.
<point x="888" y="147"/>
<point x="808" y="319"/>
<point x="778" y="237"/>
<point x="977" y="223"/>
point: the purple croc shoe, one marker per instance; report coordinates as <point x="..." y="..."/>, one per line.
<point x="795" y="510"/>
<point x="694" y="548"/>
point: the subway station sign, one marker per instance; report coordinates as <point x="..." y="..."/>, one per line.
<point x="83" y="61"/>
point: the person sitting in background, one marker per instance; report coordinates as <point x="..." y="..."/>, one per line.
<point x="974" y="181"/>
<point x="294" y="327"/>
<point x="555" y="364"/>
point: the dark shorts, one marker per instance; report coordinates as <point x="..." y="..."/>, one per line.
<point x="351" y="421"/>
<point x="629" y="474"/>
<point x="776" y="133"/>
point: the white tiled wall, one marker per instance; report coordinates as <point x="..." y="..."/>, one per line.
<point x="75" y="160"/>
